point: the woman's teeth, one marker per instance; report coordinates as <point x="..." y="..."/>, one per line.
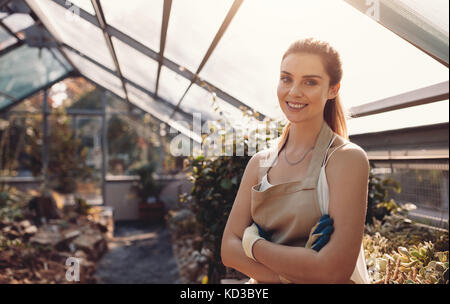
<point x="296" y="105"/>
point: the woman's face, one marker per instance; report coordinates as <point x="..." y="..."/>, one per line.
<point x="303" y="88"/>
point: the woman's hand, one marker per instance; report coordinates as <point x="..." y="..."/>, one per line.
<point x="250" y="237"/>
<point x="320" y="233"/>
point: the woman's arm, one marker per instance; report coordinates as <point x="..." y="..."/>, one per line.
<point x="347" y="175"/>
<point x="232" y="253"/>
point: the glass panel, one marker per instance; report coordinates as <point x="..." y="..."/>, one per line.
<point x="246" y="62"/>
<point x="67" y="26"/>
<point x="436" y="112"/>
<point x="6" y="39"/>
<point x="131" y="142"/>
<point x="96" y="73"/>
<point x="74" y="93"/>
<point x="88" y="131"/>
<point x="21" y="137"/>
<point x="84" y="4"/>
<point x="18" y="22"/>
<point x="26" y="69"/>
<point x="143" y="73"/>
<point x="62" y="60"/>
<point x="130" y="19"/>
<point x="159" y="111"/>
<point x="4" y="101"/>
<point x="171" y="85"/>
<point x="199" y="99"/>
<point x="192" y="27"/>
<point x="90" y="99"/>
<point x="147" y="103"/>
<point x="114" y="104"/>
<point x="32" y="104"/>
<point x="435" y="12"/>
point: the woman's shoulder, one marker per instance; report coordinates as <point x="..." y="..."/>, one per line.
<point x="261" y="161"/>
<point x="347" y="154"/>
<point x="263" y="157"/>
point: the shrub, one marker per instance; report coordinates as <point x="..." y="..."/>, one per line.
<point x="378" y="204"/>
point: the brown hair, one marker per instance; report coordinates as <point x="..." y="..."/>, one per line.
<point x="334" y="113"/>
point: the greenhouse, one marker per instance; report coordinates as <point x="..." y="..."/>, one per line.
<point x="125" y="130"/>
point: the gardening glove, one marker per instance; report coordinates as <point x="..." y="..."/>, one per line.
<point x="251" y="235"/>
<point x="320" y="233"/>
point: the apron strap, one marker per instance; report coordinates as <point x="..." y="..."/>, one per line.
<point x="334" y="151"/>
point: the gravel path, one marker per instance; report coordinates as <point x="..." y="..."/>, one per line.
<point x="140" y="253"/>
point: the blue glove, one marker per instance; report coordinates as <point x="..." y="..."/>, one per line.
<point x="320" y="233"/>
<point x="264" y="234"/>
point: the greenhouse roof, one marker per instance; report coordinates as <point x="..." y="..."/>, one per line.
<point x="170" y="57"/>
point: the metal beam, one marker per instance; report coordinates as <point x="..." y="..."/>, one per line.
<point x="104" y="148"/>
<point x="162" y="43"/>
<point x="6" y="95"/>
<point x="11" y="48"/>
<point x="226" y="22"/>
<point x="421" y="96"/>
<point x="45" y="139"/>
<point x="6" y="28"/>
<point x="425" y="37"/>
<point x="434" y="137"/>
<point x="191" y="136"/>
<point x="180" y="70"/>
<point x="151" y="94"/>
<point x="102" y="21"/>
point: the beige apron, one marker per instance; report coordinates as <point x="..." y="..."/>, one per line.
<point x="290" y="210"/>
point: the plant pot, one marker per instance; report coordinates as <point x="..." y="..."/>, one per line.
<point x="152" y="212"/>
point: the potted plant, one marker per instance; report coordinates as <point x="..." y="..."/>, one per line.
<point x="151" y="208"/>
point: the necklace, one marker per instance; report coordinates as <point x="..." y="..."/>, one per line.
<point x="297" y="162"/>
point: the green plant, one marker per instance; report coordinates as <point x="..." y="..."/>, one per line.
<point x="147" y="185"/>
<point x="216" y="182"/>
<point x="215" y="186"/>
<point x="66" y="154"/>
<point x="378" y="204"/>
<point x="12" y="204"/>
<point x="399" y="252"/>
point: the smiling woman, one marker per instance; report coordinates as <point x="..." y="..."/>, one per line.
<point x="288" y="240"/>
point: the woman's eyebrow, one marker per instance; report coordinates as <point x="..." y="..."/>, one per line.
<point x="304" y="76"/>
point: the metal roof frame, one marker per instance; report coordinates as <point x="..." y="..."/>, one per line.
<point x="145" y="50"/>
<point x="190" y="135"/>
<point x="130" y="82"/>
<point x="421" y="96"/>
<point x="389" y="17"/>
<point x="124" y="80"/>
<point x="231" y="13"/>
<point x="162" y="41"/>
<point x="417" y="97"/>
<point x="102" y="22"/>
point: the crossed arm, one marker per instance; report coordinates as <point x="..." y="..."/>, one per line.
<point x="347" y="175"/>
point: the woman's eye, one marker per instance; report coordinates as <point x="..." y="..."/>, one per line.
<point x="310" y="82"/>
<point x="284" y="79"/>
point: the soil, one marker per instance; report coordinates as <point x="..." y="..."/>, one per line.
<point x="139" y="253"/>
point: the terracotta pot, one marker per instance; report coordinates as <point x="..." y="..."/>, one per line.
<point x="152" y="212"/>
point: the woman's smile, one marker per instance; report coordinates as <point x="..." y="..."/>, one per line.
<point x="295" y="106"/>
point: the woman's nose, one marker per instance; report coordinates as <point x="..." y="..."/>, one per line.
<point x="295" y="91"/>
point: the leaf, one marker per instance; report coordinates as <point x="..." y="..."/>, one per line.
<point x="226" y="184"/>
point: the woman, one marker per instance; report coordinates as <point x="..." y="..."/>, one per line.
<point x="289" y="201"/>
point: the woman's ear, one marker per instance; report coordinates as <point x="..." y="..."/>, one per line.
<point x="333" y="91"/>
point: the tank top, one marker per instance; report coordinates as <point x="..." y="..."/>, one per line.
<point x="290" y="210"/>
